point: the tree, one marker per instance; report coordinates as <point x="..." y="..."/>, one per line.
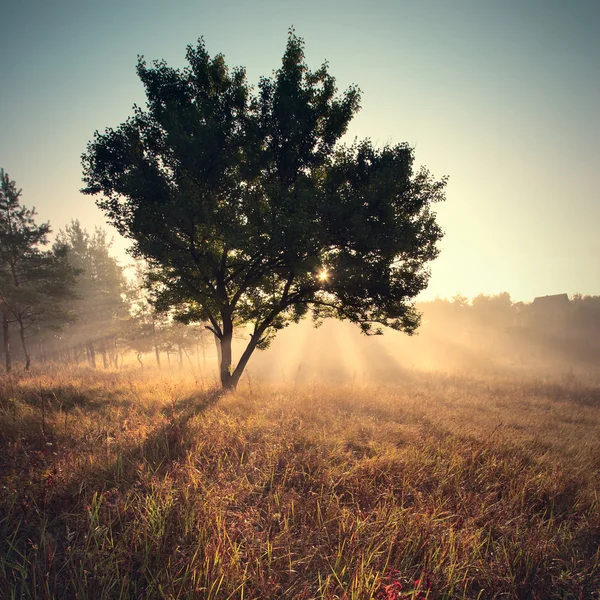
<point x="495" y="311"/>
<point x="100" y="307"/>
<point x="35" y="285"/>
<point x="145" y="324"/>
<point x="251" y="212"/>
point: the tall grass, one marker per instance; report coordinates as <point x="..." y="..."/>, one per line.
<point x="121" y="485"/>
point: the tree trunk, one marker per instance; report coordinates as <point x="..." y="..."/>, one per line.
<point x="7" y="358"/>
<point x="92" y="355"/>
<point x="154" y="342"/>
<point x="233" y="375"/>
<point x="180" y="356"/>
<point x="116" y="358"/>
<point x="139" y="357"/>
<point x="104" y="358"/>
<point x="230" y="376"/>
<point x="218" y="347"/>
<point x="24" y="344"/>
<point x="239" y="369"/>
<point x="225" y="366"/>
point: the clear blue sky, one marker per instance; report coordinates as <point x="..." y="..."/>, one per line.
<point x="502" y="96"/>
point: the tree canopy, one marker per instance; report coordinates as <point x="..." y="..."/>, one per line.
<point x="249" y="209"/>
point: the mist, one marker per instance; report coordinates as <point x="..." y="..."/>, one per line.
<point x="487" y="335"/>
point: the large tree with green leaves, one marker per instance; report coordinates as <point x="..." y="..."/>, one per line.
<point x="250" y="210"/>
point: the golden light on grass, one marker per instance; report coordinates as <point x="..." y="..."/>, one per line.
<point x="276" y="491"/>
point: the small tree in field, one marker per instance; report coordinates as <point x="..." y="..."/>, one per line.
<point x="250" y="211"/>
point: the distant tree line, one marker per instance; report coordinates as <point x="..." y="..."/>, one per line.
<point x="551" y="329"/>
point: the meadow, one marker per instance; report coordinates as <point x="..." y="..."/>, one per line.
<point x="136" y="484"/>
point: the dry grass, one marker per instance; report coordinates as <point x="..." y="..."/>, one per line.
<point x="131" y="486"/>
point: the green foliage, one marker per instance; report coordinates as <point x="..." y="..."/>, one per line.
<point x="35" y="285"/>
<point x="239" y="199"/>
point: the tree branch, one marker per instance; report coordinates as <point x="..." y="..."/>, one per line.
<point x="215" y="327"/>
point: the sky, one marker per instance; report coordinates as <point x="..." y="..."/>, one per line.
<point x="502" y="96"/>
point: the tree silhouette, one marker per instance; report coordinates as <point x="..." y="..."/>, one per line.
<point x="250" y="211"/>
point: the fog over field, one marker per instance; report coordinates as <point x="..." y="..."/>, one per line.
<point x="492" y="336"/>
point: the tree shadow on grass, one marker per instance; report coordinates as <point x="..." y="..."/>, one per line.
<point x="122" y="470"/>
<point x="164" y="446"/>
<point x="66" y="508"/>
<point x="64" y="398"/>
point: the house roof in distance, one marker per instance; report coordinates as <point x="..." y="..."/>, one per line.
<point x="553" y="300"/>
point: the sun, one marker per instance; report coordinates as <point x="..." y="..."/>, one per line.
<point x="323" y="274"/>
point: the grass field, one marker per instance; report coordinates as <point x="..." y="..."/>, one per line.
<point x="136" y="485"/>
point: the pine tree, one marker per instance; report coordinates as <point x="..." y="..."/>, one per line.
<point x="35" y="285"/>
